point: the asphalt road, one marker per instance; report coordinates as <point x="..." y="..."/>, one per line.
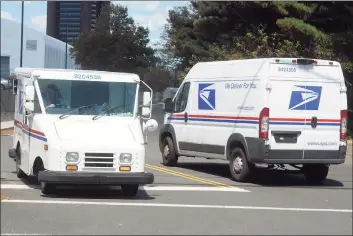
<point x="196" y="197"/>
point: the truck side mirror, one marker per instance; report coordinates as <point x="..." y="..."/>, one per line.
<point x="146" y="99"/>
<point x="29" y="93"/>
<point x="146" y="111"/>
<point x="168" y="105"/>
<point x="29" y="106"/>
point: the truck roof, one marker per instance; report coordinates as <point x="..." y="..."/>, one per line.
<point x="241" y="68"/>
<point x="68" y="74"/>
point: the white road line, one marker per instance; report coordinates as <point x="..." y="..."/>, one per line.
<point x="25" y="234"/>
<point x="147" y="188"/>
<point x="138" y="204"/>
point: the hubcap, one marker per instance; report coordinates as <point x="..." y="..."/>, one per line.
<point x="238" y="165"/>
<point x="166" y="151"/>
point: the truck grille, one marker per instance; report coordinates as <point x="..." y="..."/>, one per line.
<point x="99" y="160"/>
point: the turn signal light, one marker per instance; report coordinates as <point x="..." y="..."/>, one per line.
<point x="125" y="168"/>
<point x="70" y="167"/>
<point x="46" y="147"/>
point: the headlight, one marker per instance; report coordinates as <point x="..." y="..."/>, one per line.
<point x="125" y="158"/>
<point x="72" y="157"/>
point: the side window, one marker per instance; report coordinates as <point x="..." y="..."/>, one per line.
<point x="181" y="100"/>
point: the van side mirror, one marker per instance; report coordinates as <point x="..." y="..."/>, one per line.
<point x="168" y="105"/>
<point x="146" y="99"/>
<point x="29" y="93"/>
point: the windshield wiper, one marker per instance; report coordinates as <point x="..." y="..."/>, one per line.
<point x="76" y="109"/>
<point x="109" y="109"/>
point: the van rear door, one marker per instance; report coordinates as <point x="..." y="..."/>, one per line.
<point x="286" y="125"/>
<point x="305" y="105"/>
<point x="323" y="105"/>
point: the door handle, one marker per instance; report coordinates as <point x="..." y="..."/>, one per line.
<point x="186" y="117"/>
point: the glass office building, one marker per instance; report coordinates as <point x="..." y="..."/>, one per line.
<point x="67" y="19"/>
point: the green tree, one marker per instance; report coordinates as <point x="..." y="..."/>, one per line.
<point x="117" y="44"/>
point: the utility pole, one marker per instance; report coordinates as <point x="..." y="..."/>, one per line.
<point x="21" y="53"/>
<point x="66" y="49"/>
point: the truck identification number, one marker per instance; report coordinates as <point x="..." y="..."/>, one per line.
<point x="286" y="69"/>
<point x="86" y="76"/>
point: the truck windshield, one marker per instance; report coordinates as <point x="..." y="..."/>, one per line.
<point x="61" y="96"/>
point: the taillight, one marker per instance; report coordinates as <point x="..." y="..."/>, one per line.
<point x="343" y="128"/>
<point x="264" y="123"/>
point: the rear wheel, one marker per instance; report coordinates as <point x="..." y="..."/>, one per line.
<point x="129" y="190"/>
<point x="315" y="173"/>
<point x="48" y="188"/>
<point x="169" y="156"/>
<point x="239" y="167"/>
<point x="20" y="174"/>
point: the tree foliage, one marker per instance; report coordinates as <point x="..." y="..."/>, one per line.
<point x="117" y="44"/>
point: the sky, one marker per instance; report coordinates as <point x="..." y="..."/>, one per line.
<point x="151" y="14"/>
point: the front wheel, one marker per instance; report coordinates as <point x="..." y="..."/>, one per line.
<point x="239" y="167"/>
<point x="129" y="190"/>
<point x="169" y="156"/>
<point x="315" y="173"/>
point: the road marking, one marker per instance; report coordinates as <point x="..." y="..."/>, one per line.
<point x="187" y="176"/>
<point x="135" y="204"/>
<point x="144" y="188"/>
<point x="25" y="234"/>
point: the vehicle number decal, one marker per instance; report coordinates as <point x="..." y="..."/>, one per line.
<point x="286" y="69"/>
<point x="86" y="76"/>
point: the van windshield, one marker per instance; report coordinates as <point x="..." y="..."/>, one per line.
<point x="61" y="96"/>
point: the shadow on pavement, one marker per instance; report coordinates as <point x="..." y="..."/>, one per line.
<point x="97" y="192"/>
<point x="262" y="176"/>
<point x="87" y="191"/>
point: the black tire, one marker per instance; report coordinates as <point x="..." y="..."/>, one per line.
<point x="20" y="174"/>
<point x="315" y="173"/>
<point x="169" y="156"/>
<point x="241" y="174"/>
<point x="48" y="188"/>
<point x="129" y="190"/>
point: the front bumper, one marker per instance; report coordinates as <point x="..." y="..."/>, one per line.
<point x="78" y="177"/>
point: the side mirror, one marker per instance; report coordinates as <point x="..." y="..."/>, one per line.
<point x="29" y="106"/>
<point x="168" y="105"/>
<point x="151" y="125"/>
<point x="29" y="93"/>
<point x="146" y="111"/>
<point x="146" y="99"/>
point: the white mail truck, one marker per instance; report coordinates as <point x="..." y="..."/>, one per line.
<point x="81" y="127"/>
<point x="269" y="111"/>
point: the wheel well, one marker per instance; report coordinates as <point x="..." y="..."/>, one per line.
<point x="234" y="144"/>
<point x="37" y="165"/>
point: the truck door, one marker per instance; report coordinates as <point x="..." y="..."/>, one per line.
<point x="24" y="163"/>
<point x="323" y="111"/>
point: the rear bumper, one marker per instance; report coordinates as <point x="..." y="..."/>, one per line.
<point x="257" y="154"/>
<point x="66" y="177"/>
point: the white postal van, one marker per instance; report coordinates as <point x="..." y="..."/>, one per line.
<point x="81" y="127"/>
<point x="259" y="111"/>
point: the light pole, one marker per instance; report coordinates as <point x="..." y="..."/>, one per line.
<point x="21" y="53"/>
<point x="66" y="49"/>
